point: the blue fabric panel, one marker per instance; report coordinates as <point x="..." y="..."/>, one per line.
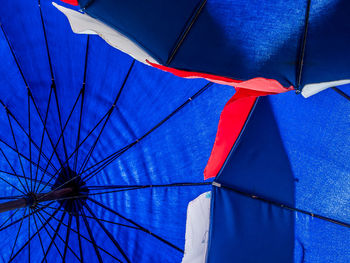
<point x="320" y="241"/>
<point x="156" y="25"/>
<point x="148" y="153"/>
<point x="258" y="163"/>
<point x="244" y="230"/>
<point x="27" y="39"/>
<point x="252" y="38"/>
<point x="317" y="150"/>
<point x="241" y="222"/>
<point x="327" y="42"/>
<point x="245" y="39"/>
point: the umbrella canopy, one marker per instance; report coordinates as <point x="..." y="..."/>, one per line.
<point x="101" y="152"/>
<point x="293" y="42"/>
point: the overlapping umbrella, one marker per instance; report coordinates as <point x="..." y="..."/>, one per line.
<point x="299" y="43"/>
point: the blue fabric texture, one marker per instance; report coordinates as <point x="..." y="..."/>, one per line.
<point x="241" y="39"/>
<point x="155" y="135"/>
<point x="293" y="153"/>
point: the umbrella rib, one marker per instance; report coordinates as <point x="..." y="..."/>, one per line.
<point x="9" y="163"/>
<point x="16" y="149"/>
<point x="91" y="237"/>
<point x="123" y="190"/>
<point x="67" y="238"/>
<point x="30" y="145"/>
<point x="79" y="238"/>
<point x="66" y="245"/>
<point x="55" y="234"/>
<point x="283" y="206"/>
<point x="85" y="196"/>
<point x="106" y="187"/>
<point x="151" y="130"/>
<point x="126" y="188"/>
<point x="41" y="242"/>
<point x="14" y="55"/>
<point x="342" y="93"/>
<point x="136" y="224"/>
<point x="60" y="119"/>
<point x="110" y="236"/>
<point x="184" y="34"/>
<point x="48" y="233"/>
<point x="19" y="229"/>
<point x="106" y="161"/>
<point x="303" y="46"/>
<point x="82" y="236"/>
<point x="58" y="140"/>
<point x="82" y="102"/>
<point x="79" y="128"/>
<point x="11" y="168"/>
<point x="29" y="239"/>
<point x="12" y="214"/>
<point x="87" y="158"/>
<point x="46" y="43"/>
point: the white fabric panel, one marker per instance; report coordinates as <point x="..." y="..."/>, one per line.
<point x="85" y="24"/>
<point x="312" y="89"/>
<point x="197" y="229"/>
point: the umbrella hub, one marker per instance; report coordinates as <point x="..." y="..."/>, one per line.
<point x="32" y="200"/>
<point x="75" y="200"/>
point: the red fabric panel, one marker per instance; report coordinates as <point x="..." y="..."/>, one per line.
<point x="259" y="84"/>
<point x="232" y="120"/>
<point x="71" y="2"/>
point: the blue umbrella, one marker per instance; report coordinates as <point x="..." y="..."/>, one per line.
<point x="293" y="42"/>
<point x="99" y="154"/>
